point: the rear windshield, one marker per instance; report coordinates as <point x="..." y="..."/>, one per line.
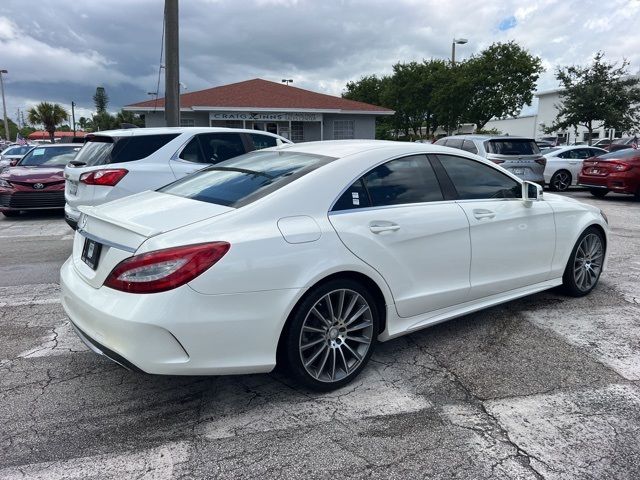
<point x="622" y="141"/>
<point x="242" y="180"/>
<point x="100" y="150"/>
<point x="513" y="146"/>
<point x="626" y="153"/>
<point x="49" y="156"/>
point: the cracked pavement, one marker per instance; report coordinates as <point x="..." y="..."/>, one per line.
<point x="542" y="387"/>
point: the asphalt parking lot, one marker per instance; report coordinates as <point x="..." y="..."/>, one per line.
<point x="543" y="387"/>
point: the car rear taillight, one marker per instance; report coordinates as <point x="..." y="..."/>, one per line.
<point x="620" y="166"/>
<point x="542" y="161"/>
<point x="107" y="178"/>
<point x="163" y="270"/>
<point x="497" y="161"/>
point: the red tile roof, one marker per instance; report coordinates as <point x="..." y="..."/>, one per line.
<point x="258" y="93"/>
<point x="44" y="135"/>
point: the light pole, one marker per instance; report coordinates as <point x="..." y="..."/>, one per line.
<point x="459" y="41"/>
<point x="287" y="81"/>
<point x="4" y="107"/>
<point x="73" y="116"/>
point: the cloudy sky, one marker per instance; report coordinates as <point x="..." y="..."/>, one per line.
<point x="60" y="50"/>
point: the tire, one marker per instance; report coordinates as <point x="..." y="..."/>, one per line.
<point x="11" y="213"/>
<point x="320" y="352"/>
<point x="598" y="192"/>
<point x="584" y="266"/>
<point x="560" y="181"/>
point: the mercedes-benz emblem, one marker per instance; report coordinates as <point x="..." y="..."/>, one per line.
<point x="38" y="186"/>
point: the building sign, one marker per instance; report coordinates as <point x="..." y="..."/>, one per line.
<point x="267" y="116"/>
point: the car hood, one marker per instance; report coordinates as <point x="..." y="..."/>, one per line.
<point x="33" y="174"/>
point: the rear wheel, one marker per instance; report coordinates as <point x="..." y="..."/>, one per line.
<point x="584" y="267"/>
<point x="11" y="213"/>
<point x="560" y="181"/>
<point x="598" y="192"/>
<point x="332" y="335"/>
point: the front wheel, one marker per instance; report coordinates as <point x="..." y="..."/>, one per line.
<point x="332" y="335"/>
<point x="584" y="267"/>
<point x="598" y="192"/>
<point x="560" y="181"/>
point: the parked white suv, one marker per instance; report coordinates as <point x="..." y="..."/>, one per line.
<point x="117" y="163"/>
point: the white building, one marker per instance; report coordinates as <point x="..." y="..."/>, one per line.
<point x="533" y="125"/>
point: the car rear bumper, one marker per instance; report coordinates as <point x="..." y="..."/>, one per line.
<point x="621" y="182"/>
<point x="71" y="216"/>
<point x="179" y="332"/>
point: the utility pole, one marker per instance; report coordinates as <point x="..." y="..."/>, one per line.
<point x="172" y="63"/>
<point x="4" y="107"/>
<point x="73" y="116"/>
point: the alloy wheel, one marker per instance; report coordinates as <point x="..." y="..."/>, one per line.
<point x="587" y="264"/>
<point x="561" y="181"/>
<point x="336" y="335"/>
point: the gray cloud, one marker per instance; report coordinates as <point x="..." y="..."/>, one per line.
<point x="61" y="50"/>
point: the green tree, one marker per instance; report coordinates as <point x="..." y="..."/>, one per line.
<point x="124" y="116"/>
<point x="369" y="90"/>
<point x="599" y="95"/>
<point x="101" y="100"/>
<point x="13" y="129"/>
<point x="83" y="123"/>
<point x="49" y="115"/>
<point x="498" y="82"/>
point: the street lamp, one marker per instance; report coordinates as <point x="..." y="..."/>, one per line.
<point x="4" y="107"/>
<point x="287" y="81"/>
<point x="459" y="41"/>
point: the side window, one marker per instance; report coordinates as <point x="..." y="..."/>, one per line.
<point x="262" y="141"/>
<point x="218" y="147"/>
<point x="442" y="141"/>
<point x="137" y="147"/>
<point x="566" y="154"/>
<point x="594" y="152"/>
<point x="469" y="146"/>
<point x="355" y="196"/>
<point x="405" y="180"/>
<point x="455" y="143"/>
<point x="473" y="179"/>
<point x="191" y="152"/>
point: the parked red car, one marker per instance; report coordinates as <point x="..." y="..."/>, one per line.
<point x="612" y="172"/>
<point x="37" y="181"/>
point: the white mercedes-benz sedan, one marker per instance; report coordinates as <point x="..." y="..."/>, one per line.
<point x="309" y="254"/>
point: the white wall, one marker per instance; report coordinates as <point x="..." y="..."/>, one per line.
<point x="518" y="126"/>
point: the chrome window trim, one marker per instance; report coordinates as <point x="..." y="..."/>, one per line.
<point x="386" y="207"/>
<point x="103" y="241"/>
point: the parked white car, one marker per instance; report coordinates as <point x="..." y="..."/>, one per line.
<point x="311" y="253"/>
<point x="564" y="165"/>
<point x="117" y="163"/>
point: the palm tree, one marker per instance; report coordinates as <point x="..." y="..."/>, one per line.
<point x="49" y="115"/>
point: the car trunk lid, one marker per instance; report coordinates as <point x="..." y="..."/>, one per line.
<point x="118" y="228"/>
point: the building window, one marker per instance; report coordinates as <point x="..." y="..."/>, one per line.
<point x="227" y="123"/>
<point x="297" y="132"/>
<point x="343" y="129"/>
<point x="187" y="122"/>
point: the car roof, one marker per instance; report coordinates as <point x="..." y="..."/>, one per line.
<point x="132" y="132"/>
<point x="345" y="148"/>
<point x="55" y="145"/>
<point x="487" y="137"/>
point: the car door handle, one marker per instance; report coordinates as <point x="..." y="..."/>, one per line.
<point x="481" y="213"/>
<point x="379" y="227"/>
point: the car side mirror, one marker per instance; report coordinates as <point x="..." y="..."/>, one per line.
<point x="531" y="191"/>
